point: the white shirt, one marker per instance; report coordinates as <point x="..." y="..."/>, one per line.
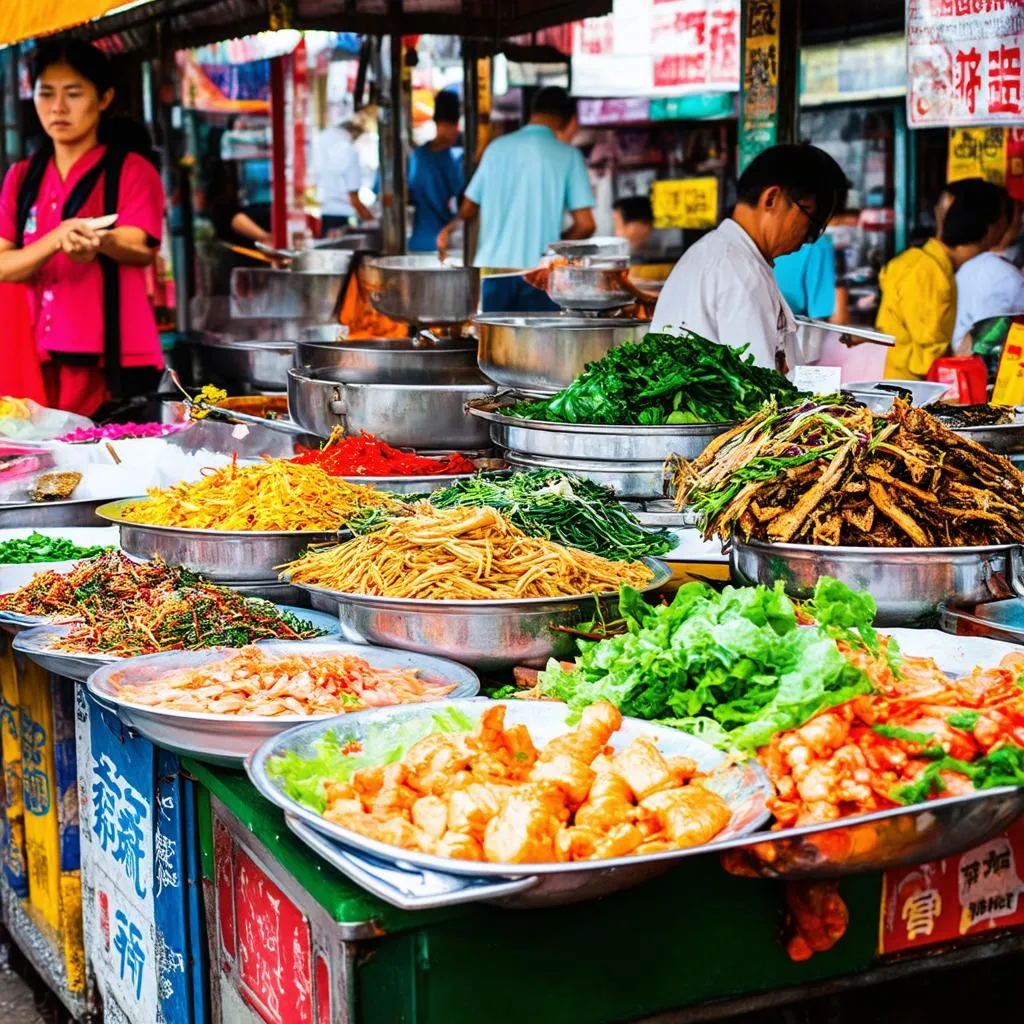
<point x="336" y="170"/>
<point x="986" y="286"/>
<point x="724" y="289"/>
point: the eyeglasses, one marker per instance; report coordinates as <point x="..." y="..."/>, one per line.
<point x="815" y="227"/>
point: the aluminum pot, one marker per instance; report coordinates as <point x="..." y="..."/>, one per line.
<point x="429" y="417"/>
<point x="633" y="481"/>
<point x="421" y="289"/>
<point x="285" y="294"/>
<point x="388" y="360"/>
<point x="908" y="584"/>
<point x="596" y="288"/>
<point x="262" y="365"/>
<point x="543" y="354"/>
<point x="259" y="328"/>
<point x="594" y="441"/>
<point x="75" y="512"/>
<point x="312" y="261"/>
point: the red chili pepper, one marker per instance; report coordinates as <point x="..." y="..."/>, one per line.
<point x="363" y="455"/>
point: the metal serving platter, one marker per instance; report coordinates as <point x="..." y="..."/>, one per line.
<point x="228" y="739"/>
<point x="411" y="879"/>
<point x="908" y="584"/>
<point x="1000" y="438"/>
<point x="592" y="441"/>
<point x="37" y="644"/>
<point x="489" y="635"/>
<point x="76" y="512"/>
<point x="629" y="480"/>
<point x="236" y="556"/>
<point x="426" y="484"/>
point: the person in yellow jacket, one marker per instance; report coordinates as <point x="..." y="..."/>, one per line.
<point x="918" y="306"/>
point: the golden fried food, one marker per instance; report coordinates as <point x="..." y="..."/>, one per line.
<point x="490" y="795"/>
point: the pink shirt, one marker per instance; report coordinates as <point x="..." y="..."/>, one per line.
<point x="67" y="297"/>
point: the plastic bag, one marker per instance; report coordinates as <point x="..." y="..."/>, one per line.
<point x="21" y="419"/>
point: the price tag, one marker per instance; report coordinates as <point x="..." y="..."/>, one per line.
<point x="818" y="380"/>
<point x="241" y="431"/>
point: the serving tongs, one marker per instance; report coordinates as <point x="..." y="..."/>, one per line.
<point x="864" y="334"/>
<point x="232" y="416"/>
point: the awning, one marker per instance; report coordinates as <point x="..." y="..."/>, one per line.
<point x="26" y="19"/>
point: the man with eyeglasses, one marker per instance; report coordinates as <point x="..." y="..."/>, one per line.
<point x="723" y="286"/>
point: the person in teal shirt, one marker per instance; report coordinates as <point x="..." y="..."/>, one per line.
<point x="525" y="183"/>
<point x="807" y="279"/>
<point x="435" y="175"/>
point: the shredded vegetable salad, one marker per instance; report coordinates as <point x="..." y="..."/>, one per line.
<point x="363" y="454"/>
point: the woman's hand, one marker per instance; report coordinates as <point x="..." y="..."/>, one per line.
<point x="76" y="239"/>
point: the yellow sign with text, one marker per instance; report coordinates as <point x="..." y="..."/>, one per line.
<point x="685" y="203"/>
<point x="977" y="153"/>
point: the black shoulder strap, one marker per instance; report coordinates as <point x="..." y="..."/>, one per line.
<point x="29" y="190"/>
<point x="113" y="162"/>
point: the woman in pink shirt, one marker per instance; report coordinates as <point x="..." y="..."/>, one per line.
<point x="95" y="330"/>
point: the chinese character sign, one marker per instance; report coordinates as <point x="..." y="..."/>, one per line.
<point x="977" y="153"/>
<point x="759" y="97"/>
<point x="658" y="48"/>
<point x="685" y="203"/>
<point x="964" y="62"/>
<point x="946" y="899"/>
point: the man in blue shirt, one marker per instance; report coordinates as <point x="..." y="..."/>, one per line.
<point x="435" y="175"/>
<point x="807" y="279"/>
<point x="525" y="183"/>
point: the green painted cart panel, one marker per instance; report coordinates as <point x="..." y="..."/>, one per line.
<point x="695" y="935"/>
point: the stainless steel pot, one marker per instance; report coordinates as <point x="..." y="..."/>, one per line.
<point x="312" y="261"/>
<point x="76" y="512"/>
<point x="633" y="481"/>
<point x="543" y="354"/>
<point x="259" y="329"/>
<point x="1000" y="438"/>
<point x="908" y="584"/>
<point x="596" y="288"/>
<point x="287" y="294"/>
<point x="262" y="365"/>
<point x="421" y="289"/>
<point x="429" y="417"/>
<point x="592" y="441"/>
<point x="388" y="360"/>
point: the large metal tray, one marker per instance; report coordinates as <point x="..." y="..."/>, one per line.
<point x="228" y="739"/>
<point x="77" y="512"/>
<point x="37" y="643"/>
<point x="236" y="556"/>
<point x="491" y="636"/>
<point x="1001" y="438"/>
<point x="634" y="481"/>
<point x="593" y="441"/>
<point x="744" y="786"/>
<point x="908" y="584"/>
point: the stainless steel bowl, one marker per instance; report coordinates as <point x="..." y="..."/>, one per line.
<point x="262" y="365"/>
<point x="422" y="416"/>
<point x="237" y="556"/>
<point x="1001" y="438"/>
<point x="284" y="294"/>
<point x="228" y="739"/>
<point x="80" y="512"/>
<point x="322" y="261"/>
<point x="596" y="288"/>
<point x="488" y="635"/>
<point x="387" y="360"/>
<point x="421" y="289"/>
<point x="591" y="441"/>
<point x="543" y="354"/>
<point x="908" y="584"/>
<point x="259" y="329"/>
<point x="418" y="881"/>
<point x="247" y="439"/>
<point x="633" y="481"/>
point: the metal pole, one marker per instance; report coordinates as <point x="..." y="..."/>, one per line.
<point x="278" y="151"/>
<point x="397" y="141"/>
<point x="471" y="111"/>
<point x="789" y="71"/>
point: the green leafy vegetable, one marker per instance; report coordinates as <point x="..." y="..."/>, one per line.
<point x="732" y="668"/>
<point x="338" y="753"/>
<point x="897" y="732"/>
<point x="965" y="720"/>
<point x="37" y="547"/>
<point x="664" y="379"/>
<point x="1003" y="767"/>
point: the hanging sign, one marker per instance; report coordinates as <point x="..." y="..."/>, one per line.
<point x="759" y="96"/>
<point x="658" y="48"/>
<point x="977" y="153"/>
<point x="964" y="62"/>
<point x="685" y="203"/>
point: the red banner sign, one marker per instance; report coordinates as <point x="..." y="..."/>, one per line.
<point x="964" y="62"/>
<point x="947" y="900"/>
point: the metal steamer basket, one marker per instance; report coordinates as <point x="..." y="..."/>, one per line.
<point x="224" y="556"/>
<point x="425" y="416"/>
<point x="378" y="360"/>
<point x="229" y="739"/>
<point x="37" y="644"/>
<point x="908" y="584"/>
<point x="540" y="355"/>
<point x="489" y="635"/>
<point x="421" y="289"/>
<point x="415" y="880"/>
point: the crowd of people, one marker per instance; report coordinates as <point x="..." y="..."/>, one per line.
<point x="81" y="219"/>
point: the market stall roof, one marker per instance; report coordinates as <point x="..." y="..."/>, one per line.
<point x="25" y="20"/>
<point x="189" y="23"/>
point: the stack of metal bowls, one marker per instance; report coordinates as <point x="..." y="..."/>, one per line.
<point x="628" y="459"/>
